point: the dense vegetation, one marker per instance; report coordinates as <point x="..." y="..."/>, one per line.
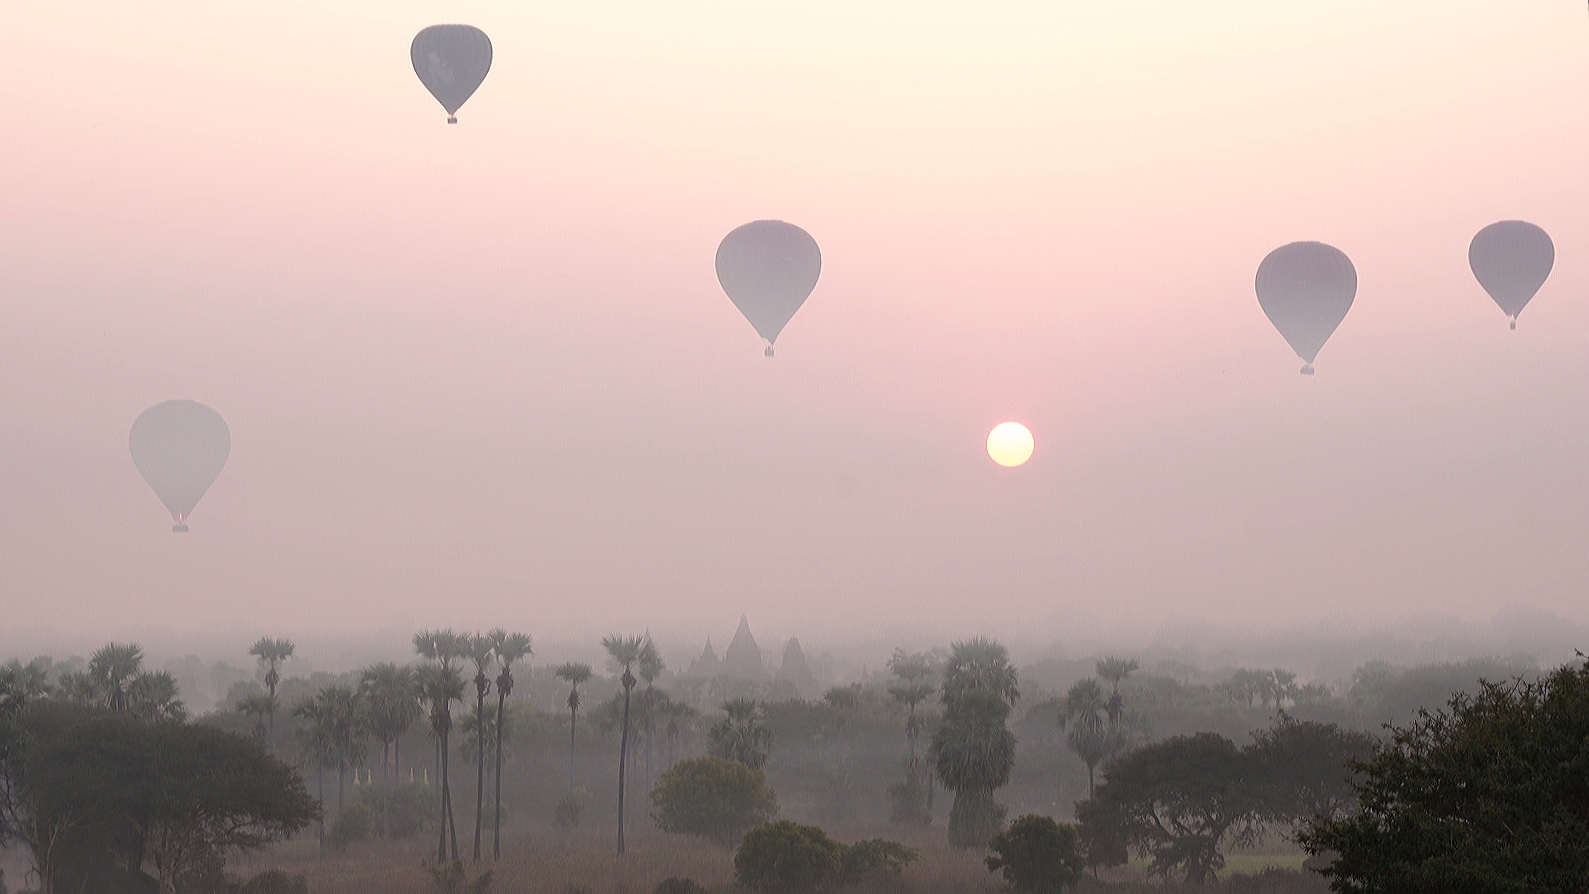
<point x="473" y="734"/>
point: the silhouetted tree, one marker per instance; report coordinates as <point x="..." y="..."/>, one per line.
<point x="1083" y="713"/>
<point x="973" y="750"/>
<point x="913" y="685"/>
<point x="624" y="651"/>
<point x="1115" y="670"/>
<point x="441" y="684"/>
<point x="508" y="648"/>
<point x="575" y="673"/>
<point x="648" y="668"/>
<point x="112" y="669"/>
<point x="271" y="653"/>
<point x="391" y="697"/>
<point x="480" y="651"/>
<point x="258" y="705"/>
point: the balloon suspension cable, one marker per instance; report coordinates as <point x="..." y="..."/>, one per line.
<point x="768" y="352"/>
<point x="1307" y="369"/>
<point x="452" y="119"/>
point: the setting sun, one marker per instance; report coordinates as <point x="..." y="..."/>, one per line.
<point x="1010" y="444"/>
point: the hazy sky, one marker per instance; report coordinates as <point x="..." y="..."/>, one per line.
<point x="483" y="373"/>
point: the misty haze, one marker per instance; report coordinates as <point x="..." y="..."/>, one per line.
<point x="686" y="447"/>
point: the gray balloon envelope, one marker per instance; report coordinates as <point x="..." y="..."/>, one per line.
<point x="768" y="268"/>
<point x="451" y="61"/>
<point x="1305" y="289"/>
<point x="180" y="447"/>
<point x="1511" y="260"/>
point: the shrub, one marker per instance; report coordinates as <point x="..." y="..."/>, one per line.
<point x="787" y="856"/>
<point x="570" y="809"/>
<point x="677" y="885"/>
<point x="408" y="809"/>
<point x="274" y="881"/>
<point x="1038" y="855"/>
<point x="713" y="798"/>
<point x="907" y="803"/>
<point x="454" y="879"/>
<point x="875" y="858"/>
<point x="354" y="823"/>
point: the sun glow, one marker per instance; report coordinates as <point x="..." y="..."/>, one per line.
<point x="1010" y="444"/>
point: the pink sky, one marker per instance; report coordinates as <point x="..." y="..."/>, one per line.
<point x="483" y="373"/>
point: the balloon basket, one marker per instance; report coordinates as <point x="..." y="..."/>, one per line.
<point x="768" y="352"/>
<point x="1307" y="370"/>
<point x="179" y="529"/>
<point x="452" y="119"/>
<point x="1514" y="325"/>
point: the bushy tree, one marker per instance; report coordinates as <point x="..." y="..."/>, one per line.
<point x="1037" y="855"/>
<point x="973" y="749"/>
<point x="742" y="733"/>
<point x="713" y="798"/>
<point x="1302" y="770"/>
<point x="786" y="856"/>
<point x="1489" y="795"/>
<point x="1177" y="801"/>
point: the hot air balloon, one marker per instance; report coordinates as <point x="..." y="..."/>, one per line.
<point x="768" y="268"/>
<point x="179" y="447"/>
<point x="451" y="61"/>
<point x="1305" y="289"/>
<point x="1511" y="260"/>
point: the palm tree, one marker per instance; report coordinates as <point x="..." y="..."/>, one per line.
<point x="271" y="653"/>
<point x="393" y="703"/>
<point x="258" y="705"/>
<point x="973" y="750"/>
<point x="112" y="669"/>
<point x="575" y="673"/>
<point x="509" y="647"/>
<point x="914" y="687"/>
<point x="78" y="688"/>
<point x="441" y="684"/>
<point x="742" y="735"/>
<point x="152" y="697"/>
<point x="1084" y="712"/>
<point x="649" y="667"/>
<point x="314" y="738"/>
<point x="624" y="651"/>
<point x="479" y="651"/>
<point x="1115" y="670"/>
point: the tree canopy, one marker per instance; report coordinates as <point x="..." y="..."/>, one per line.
<point x="1489" y="795"/>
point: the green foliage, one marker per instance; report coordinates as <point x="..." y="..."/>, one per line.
<point x="1301" y="769"/>
<point x="907" y="803"/>
<point x="787" y="856"/>
<point x="570" y="809"/>
<point x="713" y="798"/>
<point x="676" y="885"/>
<point x="408" y="807"/>
<point x="275" y="881"/>
<point x="454" y="879"/>
<point x="742" y="734"/>
<point x="99" y="787"/>
<point x="1177" y="801"/>
<point x="1037" y="855"/>
<point x="356" y="822"/>
<point x="974" y="818"/>
<point x="1490" y="795"/>
<point x="875" y="858"/>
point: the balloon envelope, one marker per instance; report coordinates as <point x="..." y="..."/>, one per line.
<point x="1511" y="260"/>
<point x="768" y="268"/>
<point x="1305" y="289"/>
<point x="451" y="61"/>
<point x="180" y="447"/>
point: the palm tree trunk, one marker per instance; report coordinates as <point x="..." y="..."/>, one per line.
<point x="480" y="769"/>
<point x="342" y="772"/>
<point x="651" y="729"/>
<point x="446" y="792"/>
<point x="623" y="763"/>
<point x="441" y="801"/>
<point x="496" y="829"/>
<point x="387" y="771"/>
<point x="573" y="722"/>
<point x="321" y="784"/>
